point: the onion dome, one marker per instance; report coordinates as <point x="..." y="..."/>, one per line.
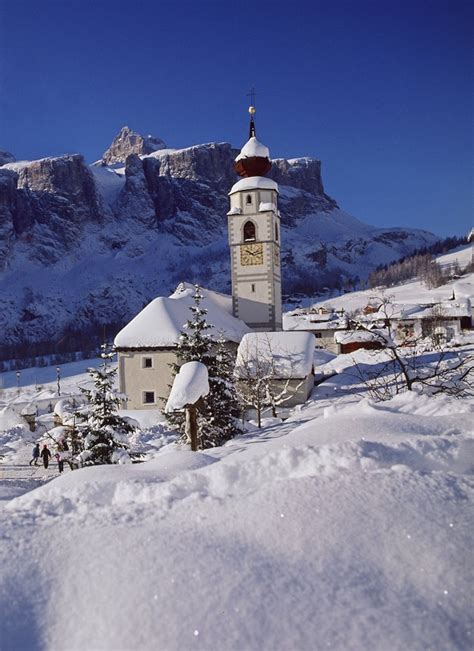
<point x="254" y="158"/>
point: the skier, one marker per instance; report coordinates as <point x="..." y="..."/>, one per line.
<point x="60" y="462"/>
<point x="45" y="454"/>
<point x="36" y="453"/>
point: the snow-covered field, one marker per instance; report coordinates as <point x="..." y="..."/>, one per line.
<point x="414" y="291"/>
<point x="348" y="526"/>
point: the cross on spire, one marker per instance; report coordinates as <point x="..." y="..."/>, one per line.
<point x="252" y="96"/>
<point x="252" y="109"/>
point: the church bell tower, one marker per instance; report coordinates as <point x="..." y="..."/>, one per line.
<point x="255" y="238"/>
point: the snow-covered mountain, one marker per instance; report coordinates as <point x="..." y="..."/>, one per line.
<point x="83" y="246"/>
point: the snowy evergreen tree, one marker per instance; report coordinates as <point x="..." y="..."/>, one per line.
<point x="195" y="342"/>
<point x="217" y="417"/>
<point x="222" y="399"/>
<point x="104" y="434"/>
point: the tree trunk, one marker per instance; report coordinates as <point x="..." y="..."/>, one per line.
<point x="191" y="426"/>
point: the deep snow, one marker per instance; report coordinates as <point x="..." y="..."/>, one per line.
<point x="348" y="526"/>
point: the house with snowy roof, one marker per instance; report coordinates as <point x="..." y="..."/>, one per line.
<point x="446" y="319"/>
<point x="410" y="321"/>
<point x="348" y="341"/>
<point x="284" y="360"/>
<point x="146" y="346"/>
<point x="322" y="323"/>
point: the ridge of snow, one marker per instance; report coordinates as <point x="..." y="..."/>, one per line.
<point x="21" y="164"/>
<point x="170" y="151"/>
<point x="17" y="165"/>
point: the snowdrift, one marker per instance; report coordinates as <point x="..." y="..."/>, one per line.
<point x="343" y="532"/>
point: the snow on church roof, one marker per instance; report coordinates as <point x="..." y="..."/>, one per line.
<point x="253" y="148"/>
<point x="160" y="323"/>
<point x="254" y="183"/>
<point x="289" y="354"/>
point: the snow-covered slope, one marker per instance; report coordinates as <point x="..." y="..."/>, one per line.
<point x="347" y="527"/>
<point x="414" y="292"/>
<point x="82" y="246"/>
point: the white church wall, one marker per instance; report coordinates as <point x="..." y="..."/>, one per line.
<point x="135" y="380"/>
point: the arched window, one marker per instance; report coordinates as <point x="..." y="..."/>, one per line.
<point x="276" y="232"/>
<point x="248" y="199"/>
<point x="249" y="232"/>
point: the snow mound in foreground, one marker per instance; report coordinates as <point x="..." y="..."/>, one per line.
<point x="379" y="439"/>
<point x="349" y="532"/>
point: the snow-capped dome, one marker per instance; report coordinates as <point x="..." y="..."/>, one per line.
<point x="253" y="148"/>
<point x="254" y="158"/>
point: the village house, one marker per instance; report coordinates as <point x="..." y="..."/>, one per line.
<point x="322" y="323"/>
<point x="147" y="345"/>
<point x="348" y="341"/>
<point x="282" y="359"/>
<point x="408" y="322"/>
<point x="444" y="320"/>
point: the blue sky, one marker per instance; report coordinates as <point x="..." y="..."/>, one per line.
<point x="381" y="92"/>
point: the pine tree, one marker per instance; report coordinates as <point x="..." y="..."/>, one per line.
<point x="104" y="433"/>
<point x="216" y="417"/>
<point x="195" y="342"/>
<point x="222" y="399"/>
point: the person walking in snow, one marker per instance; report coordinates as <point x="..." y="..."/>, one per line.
<point x="46" y="455"/>
<point x="35" y="455"/>
<point x="60" y="462"/>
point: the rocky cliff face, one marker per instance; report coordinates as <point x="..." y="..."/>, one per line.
<point x="49" y="201"/>
<point x="86" y="246"/>
<point x="128" y="142"/>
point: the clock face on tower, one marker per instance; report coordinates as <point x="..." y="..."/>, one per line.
<point x="251" y="254"/>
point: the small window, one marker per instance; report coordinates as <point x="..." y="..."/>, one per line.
<point x="249" y="232"/>
<point x="253" y="288"/>
<point x="248" y="200"/>
<point x="148" y="397"/>
<point x="318" y="335"/>
<point x="276" y="232"/>
<point x="147" y="362"/>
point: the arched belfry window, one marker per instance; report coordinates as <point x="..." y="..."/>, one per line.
<point x="249" y="232"/>
<point x="248" y="199"/>
<point x="276" y="232"/>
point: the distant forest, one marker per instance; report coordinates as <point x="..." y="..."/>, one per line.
<point x="420" y="265"/>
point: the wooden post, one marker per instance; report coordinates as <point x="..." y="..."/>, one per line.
<point x="191" y="426"/>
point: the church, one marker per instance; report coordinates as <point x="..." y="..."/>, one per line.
<point x="146" y="346"/>
<point x="254" y="238"/>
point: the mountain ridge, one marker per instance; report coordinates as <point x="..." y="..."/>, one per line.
<point x="83" y="246"/>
